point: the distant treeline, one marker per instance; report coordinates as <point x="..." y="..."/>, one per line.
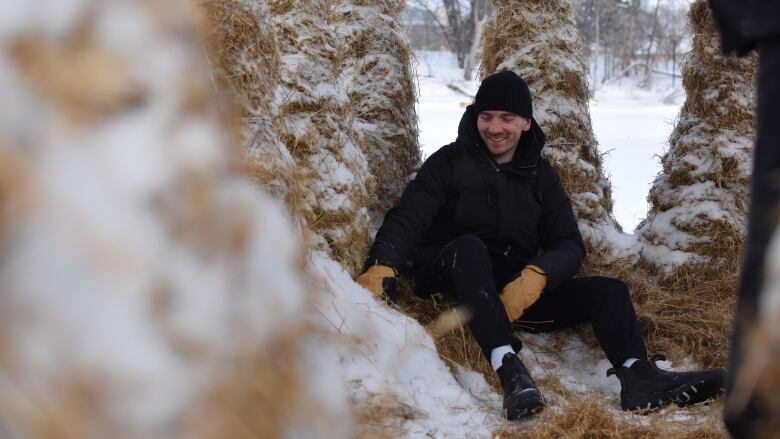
<point x="625" y="37"/>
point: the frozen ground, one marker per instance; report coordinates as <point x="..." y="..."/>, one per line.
<point x="632" y="125"/>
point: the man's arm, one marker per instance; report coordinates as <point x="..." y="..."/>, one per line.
<point x="562" y="247"/>
<point x="404" y="224"/>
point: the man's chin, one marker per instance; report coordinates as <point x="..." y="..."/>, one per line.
<point x="497" y="150"/>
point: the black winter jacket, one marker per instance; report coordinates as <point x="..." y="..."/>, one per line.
<point x="518" y="209"/>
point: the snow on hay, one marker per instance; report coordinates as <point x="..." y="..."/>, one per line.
<point x="539" y="40"/>
<point x="318" y="131"/>
<point x="141" y="270"/>
<point x="698" y="202"/>
<point x="398" y="383"/>
<point x="247" y="65"/>
<point x="375" y="62"/>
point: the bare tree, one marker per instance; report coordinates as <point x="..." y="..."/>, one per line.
<point x="461" y="25"/>
<point x="631" y="36"/>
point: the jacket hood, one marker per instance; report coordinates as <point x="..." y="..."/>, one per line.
<point x="529" y="149"/>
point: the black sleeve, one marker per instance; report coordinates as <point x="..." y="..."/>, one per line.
<point x="731" y="18"/>
<point x="562" y="247"/>
<point x="404" y="224"/>
<point x="743" y="24"/>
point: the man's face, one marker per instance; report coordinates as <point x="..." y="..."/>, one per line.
<point x="501" y="130"/>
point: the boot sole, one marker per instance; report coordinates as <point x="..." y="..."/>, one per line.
<point x="687" y="394"/>
<point x="522" y="404"/>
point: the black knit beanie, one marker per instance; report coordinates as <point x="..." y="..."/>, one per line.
<point x="504" y="91"/>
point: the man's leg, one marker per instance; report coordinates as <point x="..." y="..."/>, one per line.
<point x="463" y="273"/>
<point x="604" y="302"/>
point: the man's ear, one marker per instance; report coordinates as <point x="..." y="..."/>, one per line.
<point x="526" y="124"/>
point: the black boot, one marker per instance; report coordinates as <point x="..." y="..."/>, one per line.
<point x="645" y="386"/>
<point x="521" y="397"/>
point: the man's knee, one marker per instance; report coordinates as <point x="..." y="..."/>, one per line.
<point x="466" y="254"/>
<point x="610" y="289"/>
<point x="469" y="243"/>
<point x="469" y="251"/>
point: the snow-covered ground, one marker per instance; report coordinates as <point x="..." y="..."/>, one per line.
<point x="631" y="123"/>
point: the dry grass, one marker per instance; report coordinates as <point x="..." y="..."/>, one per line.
<point x="594" y="417"/>
<point x="684" y="317"/>
<point x="695" y="322"/>
<point x="383" y="416"/>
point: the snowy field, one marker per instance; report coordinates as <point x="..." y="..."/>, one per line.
<point x="631" y="123"/>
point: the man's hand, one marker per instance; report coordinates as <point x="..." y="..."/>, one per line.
<point x="380" y="279"/>
<point x="522" y="292"/>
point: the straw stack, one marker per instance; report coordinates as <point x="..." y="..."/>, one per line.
<point x="538" y="39"/>
<point x="375" y="66"/>
<point x="317" y="123"/>
<point x="697" y="220"/>
<point x="141" y="272"/>
<point x="247" y="67"/>
<point x="692" y="239"/>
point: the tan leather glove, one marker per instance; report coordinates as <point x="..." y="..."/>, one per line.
<point x="522" y="292"/>
<point x="375" y="276"/>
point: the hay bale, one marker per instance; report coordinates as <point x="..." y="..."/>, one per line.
<point x="539" y="40"/>
<point x="140" y="269"/>
<point x="247" y="67"/>
<point x="697" y="219"/>
<point x="375" y="63"/>
<point x="317" y="123"/>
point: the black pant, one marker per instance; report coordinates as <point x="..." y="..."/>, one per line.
<point x="466" y="273"/>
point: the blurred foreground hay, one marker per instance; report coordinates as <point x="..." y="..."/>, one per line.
<point x="147" y="289"/>
<point x="754" y="401"/>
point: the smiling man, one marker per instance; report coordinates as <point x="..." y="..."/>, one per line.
<point x="487" y="225"/>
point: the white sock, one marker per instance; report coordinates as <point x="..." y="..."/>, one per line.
<point x="630" y="362"/>
<point x="497" y="354"/>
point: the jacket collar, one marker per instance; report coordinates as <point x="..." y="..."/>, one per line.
<point x="528" y="151"/>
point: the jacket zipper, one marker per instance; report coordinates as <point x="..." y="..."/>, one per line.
<point x="493" y="164"/>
